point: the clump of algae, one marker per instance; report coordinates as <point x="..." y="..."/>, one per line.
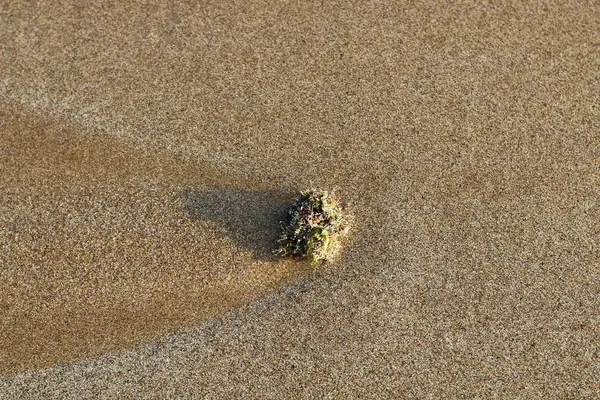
<point x="314" y="227"/>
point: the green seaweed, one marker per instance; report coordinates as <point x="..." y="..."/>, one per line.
<point x="314" y="227"/>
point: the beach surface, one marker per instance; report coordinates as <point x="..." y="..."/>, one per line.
<point x="149" y="151"/>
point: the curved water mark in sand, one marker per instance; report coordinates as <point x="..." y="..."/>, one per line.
<point x="104" y="247"/>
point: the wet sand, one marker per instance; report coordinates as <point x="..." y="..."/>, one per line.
<point x="107" y="245"/>
<point x="147" y="153"/>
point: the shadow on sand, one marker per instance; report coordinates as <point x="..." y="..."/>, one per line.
<point x="251" y="217"/>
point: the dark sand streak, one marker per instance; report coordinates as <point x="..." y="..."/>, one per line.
<point x="105" y="245"/>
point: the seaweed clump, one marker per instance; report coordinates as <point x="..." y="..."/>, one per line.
<point x="314" y="226"/>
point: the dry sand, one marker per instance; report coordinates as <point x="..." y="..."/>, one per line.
<point x="147" y="152"/>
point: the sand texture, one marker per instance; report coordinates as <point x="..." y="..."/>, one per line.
<point x="148" y="151"/>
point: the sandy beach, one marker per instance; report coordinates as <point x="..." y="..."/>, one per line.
<point x="149" y="150"/>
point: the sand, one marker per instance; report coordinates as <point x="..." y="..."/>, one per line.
<point x="147" y="152"/>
